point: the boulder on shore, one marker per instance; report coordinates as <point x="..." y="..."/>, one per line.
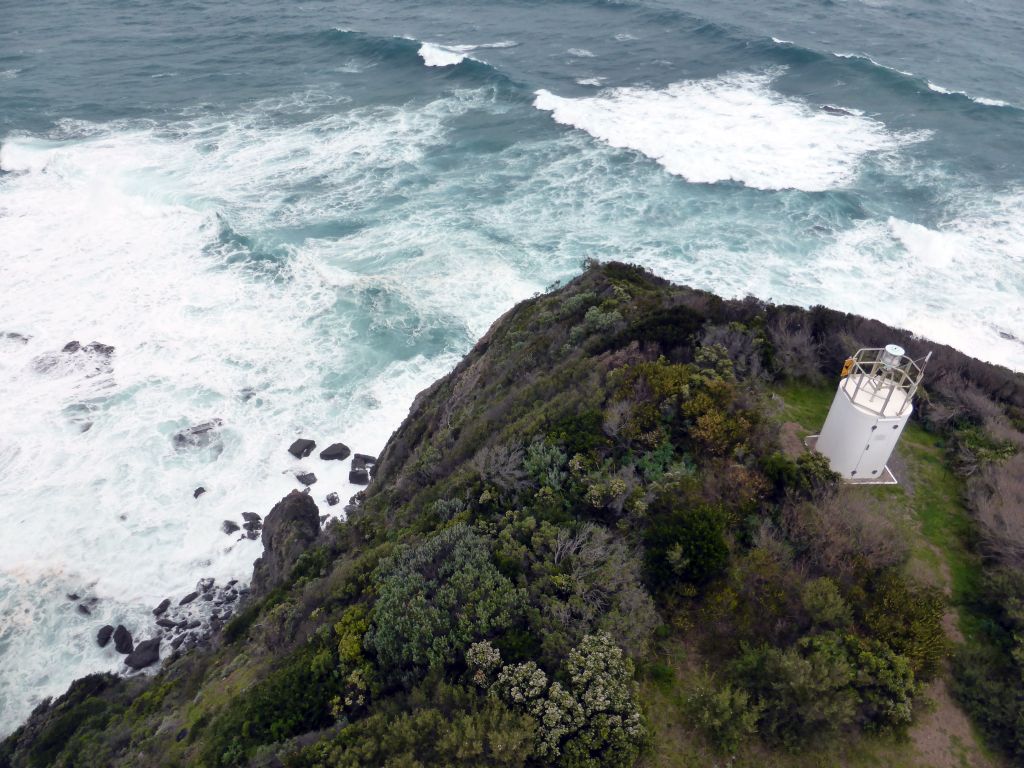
<point x="332" y="499"/>
<point x="290" y="529"/>
<point x="335" y="452"/>
<point x="162" y="608"/>
<point x="188" y="598"/>
<point x="123" y="640"/>
<point x="306" y="478"/>
<point x="301" y="448"/>
<point x="359" y="476"/>
<point x="146" y="653"/>
<point x="103" y="636"/>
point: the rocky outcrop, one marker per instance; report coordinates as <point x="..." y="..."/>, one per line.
<point x="301" y="448"/>
<point x="146" y="653"/>
<point x="123" y="640"/>
<point x="335" y="452"/>
<point x="289" y="530"/>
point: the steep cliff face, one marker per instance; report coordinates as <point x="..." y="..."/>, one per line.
<point x="598" y="542"/>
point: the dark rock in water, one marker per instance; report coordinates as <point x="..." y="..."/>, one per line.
<point x="333" y="499"/>
<point x="146" y="653"/>
<point x="359" y="476"/>
<point x="251" y="517"/>
<point x="83" y="609"/>
<point x="335" y="452"/>
<point x="289" y="530"/>
<point x="177" y="641"/>
<point x="256" y="527"/>
<point x="193" y="624"/>
<point x="71" y="346"/>
<point x="95" y="348"/>
<point x="103" y="636"/>
<point x="323" y="518"/>
<point x="229" y="526"/>
<point x="230" y="597"/>
<point x="1007" y="336"/>
<point x="350" y="508"/>
<point x="15" y="336"/>
<point x="188" y="598"/>
<point x="198" y="492"/>
<point x="72" y="596"/>
<point x="167" y="623"/>
<point x="208" y="596"/>
<point x="247" y="394"/>
<point x="252" y="535"/>
<point x="199" y="436"/>
<point x="306" y="478"/>
<point x="836" y="110"/>
<point x="123" y="640"/>
<point x="365" y="458"/>
<point x="162" y="608"/>
<point x="232" y="582"/>
<point x="301" y="448"/>
<point x="205" y="584"/>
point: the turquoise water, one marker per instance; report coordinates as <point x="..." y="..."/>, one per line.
<point x="328" y="203"/>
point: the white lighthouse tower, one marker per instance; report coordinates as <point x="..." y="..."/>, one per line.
<point x="870" y="409"/>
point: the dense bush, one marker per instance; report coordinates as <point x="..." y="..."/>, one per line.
<point x="434" y="599"/>
<point x="593" y="721"/>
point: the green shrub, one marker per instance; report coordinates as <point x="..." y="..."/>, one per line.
<point x="291" y="699"/>
<point x="907" y="618"/>
<point x="804" y="691"/>
<point x="467" y="733"/>
<point x="686" y="546"/>
<point x="434" y="599"/>
<point x="726" y="714"/>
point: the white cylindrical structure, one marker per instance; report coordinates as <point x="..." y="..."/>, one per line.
<point x="863" y="426"/>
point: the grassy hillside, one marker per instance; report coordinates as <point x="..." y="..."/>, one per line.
<point x="597" y="543"/>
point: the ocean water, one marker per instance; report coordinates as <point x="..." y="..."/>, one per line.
<point x="294" y="216"/>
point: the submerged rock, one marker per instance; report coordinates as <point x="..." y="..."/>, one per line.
<point x="335" y="452"/>
<point x="301" y="448"/>
<point x="198" y="436"/>
<point x="146" y="653"/>
<point x="12" y="336"/>
<point x="289" y="530"/>
<point x="123" y="640"/>
<point x="103" y="636"/>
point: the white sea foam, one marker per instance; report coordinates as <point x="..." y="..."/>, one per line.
<point x="9" y="74"/>
<point x="977" y="99"/>
<point x="440" y="56"/>
<point x="436" y="55"/>
<point x="624" y="36"/>
<point x="595" y="81"/>
<point x="733" y="127"/>
<point x="123" y="237"/>
<point x="959" y="283"/>
<point x="581" y="53"/>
